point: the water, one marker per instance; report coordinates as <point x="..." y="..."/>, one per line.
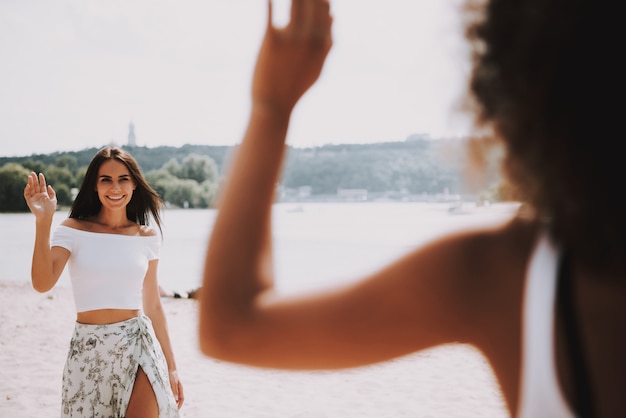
<point x="315" y="244"/>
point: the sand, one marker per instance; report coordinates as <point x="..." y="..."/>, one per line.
<point x="449" y="381"/>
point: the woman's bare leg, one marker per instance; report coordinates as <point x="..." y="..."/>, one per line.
<point x="143" y="403"/>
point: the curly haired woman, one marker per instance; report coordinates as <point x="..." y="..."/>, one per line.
<point x="541" y="295"/>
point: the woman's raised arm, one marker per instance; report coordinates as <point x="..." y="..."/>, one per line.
<point x="47" y="264"/>
<point x="377" y="318"/>
<point x="239" y="259"/>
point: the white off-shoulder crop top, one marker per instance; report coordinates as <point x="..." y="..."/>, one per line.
<point x="106" y="270"/>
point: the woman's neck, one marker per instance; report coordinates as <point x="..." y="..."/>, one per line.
<point x="113" y="221"/>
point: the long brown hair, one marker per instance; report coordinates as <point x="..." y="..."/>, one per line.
<point x="145" y="202"/>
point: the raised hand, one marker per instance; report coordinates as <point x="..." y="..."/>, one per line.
<point x="40" y="198"/>
<point x="291" y="58"/>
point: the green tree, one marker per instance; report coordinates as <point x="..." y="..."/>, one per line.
<point x="209" y="193"/>
<point x="13" y="178"/>
<point x="161" y="181"/>
<point x="34" y="165"/>
<point x="64" y="195"/>
<point x="68" y="161"/>
<point x="185" y="193"/>
<point x="172" y="167"/>
<point x="56" y="176"/>
<point x="192" y="184"/>
<point x="199" y="168"/>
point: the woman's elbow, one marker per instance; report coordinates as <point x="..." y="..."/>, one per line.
<point x="41" y="286"/>
<point x="220" y="340"/>
<point x="212" y="338"/>
<point x="208" y="345"/>
<point x="43" y="280"/>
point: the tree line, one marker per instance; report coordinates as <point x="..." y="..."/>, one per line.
<point x="190" y="181"/>
<point x="190" y="176"/>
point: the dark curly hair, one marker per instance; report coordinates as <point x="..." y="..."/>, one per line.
<point x="546" y="83"/>
<point x="144" y="203"/>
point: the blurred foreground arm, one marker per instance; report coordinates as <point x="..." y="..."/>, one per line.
<point x="377" y="318"/>
<point x="238" y="261"/>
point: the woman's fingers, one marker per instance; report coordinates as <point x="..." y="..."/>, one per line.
<point x="181" y="395"/>
<point x="270" y="13"/>
<point x="34" y="183"/>
<point x="31" y="185"/>
<point x="177" y="388"/>
<point x="51" y="193"/>
<point x="296" y="14"/>
<point x="310" y="19"/>
<point x="37" y="184"/>
<point x="42" y="183"/>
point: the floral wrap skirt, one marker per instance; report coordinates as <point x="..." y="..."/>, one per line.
<point x="102" y="364"/>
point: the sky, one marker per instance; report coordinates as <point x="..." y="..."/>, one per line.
<point x="75" y="73"/>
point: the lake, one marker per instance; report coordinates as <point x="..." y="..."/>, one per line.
<point x="315" y="244"/>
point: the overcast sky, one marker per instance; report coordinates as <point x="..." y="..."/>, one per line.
<point x="75" y="73"/>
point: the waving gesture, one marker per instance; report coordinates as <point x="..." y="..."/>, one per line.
<point x="238" y="265"/>
<point x="291" y="58"/>
<point x="41" y="198"/>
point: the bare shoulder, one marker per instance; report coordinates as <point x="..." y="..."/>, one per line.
<point x="74" y="223"/>
<point x="482" y="249"/>
<point x="464" y="286"/>
<point x="501" y="246"/>
<point x="477" y="273"/>
<point x="489" y="258"/>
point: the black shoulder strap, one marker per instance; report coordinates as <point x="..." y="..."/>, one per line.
<point x="578" y="360"/>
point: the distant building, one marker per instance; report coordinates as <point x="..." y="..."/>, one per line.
<point x="132" y="141"/>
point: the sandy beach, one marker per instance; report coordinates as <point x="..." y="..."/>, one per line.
<point x="450" y="381"/>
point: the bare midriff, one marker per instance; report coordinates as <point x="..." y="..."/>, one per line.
<point x="106" y="316"/>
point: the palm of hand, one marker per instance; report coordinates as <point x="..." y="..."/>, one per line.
<point x="40" y="198"/>
<point x="42" y="202"/>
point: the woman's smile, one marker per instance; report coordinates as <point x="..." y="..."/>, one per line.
<point x="115" y="183"/>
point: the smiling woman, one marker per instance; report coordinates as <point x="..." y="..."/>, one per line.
<point x="120" y="361"/>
